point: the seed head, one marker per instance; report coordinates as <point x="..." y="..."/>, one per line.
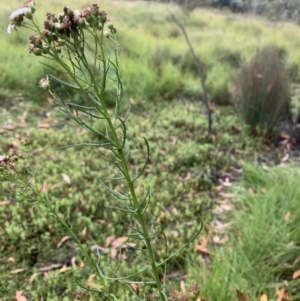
<point x="16" y="19"/>
<point x="102" y="16"/>
<point x="45" y="84"/>
<point x="82" y="23"/>
<point x="195" y="289"/>
<point x="106" y="34"/>
<point x="30" y="4"/>
<point x="35" y="40"/>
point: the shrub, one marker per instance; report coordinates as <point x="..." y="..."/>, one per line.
<point x="263" y="91"/>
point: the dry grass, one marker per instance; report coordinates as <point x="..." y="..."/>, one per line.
<point x="264" y="90"/>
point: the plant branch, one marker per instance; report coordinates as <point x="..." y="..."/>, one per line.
<point x="199" y="71"/>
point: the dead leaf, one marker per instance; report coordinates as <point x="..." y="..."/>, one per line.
<point x="113" y="253"/>
<point x="20" y="297"/>
<point x="8" y="127"/>
<point x="237" y="170"/>
<point x="182" y="286"/>
<point x="73" y="262"/>
<point x="43" y="125"/>
<point x="227" y="195"/>
<point x="132" y="101"/>
<point x="250" y="190"/>
<point x="216" y="239"/>
<point x="287" y="297"/>
<point x="66" y="178"/>
<point x="174" y="140"/>
<point x="83" y="232"/>
<point x="122" y="242"/>
<point x="117" y="242"/>
<point x="264" y="297"/>
<point x="280" y="294"/>
<point x="21" y="125"/>
<point x="226" y="207"/>
<point x="50" y="100"/>
<point x="135" y="287"/>
<point x="296" y="274"/>
<point x="65" y="238"/>
<point x="99" y="250"/>
<point x="187" y="177"/>
<point x="31" y="278"/>
<point x="202" y="240"/>
<point x="3" y="203"/>
<point x="109" y="240"/>
<point x="161" y="215"/>
<point x="90" y="282"/>
<point x="17" y="271"/>
<point x="226" y="182"/>
<point x="239" y="151"/>
<point x="284" y="136"/>
<point x="64" y="269"/>
<point x="50" y="267"/>
<point x="11" y="259"/>
<point x="241" y="296"/>
<point x="285" y="158"/>
<point x="90" y="279"/>
<point x="44" y="187"/>
<point x="202" y="249"/>
<point x="287" y="216"/>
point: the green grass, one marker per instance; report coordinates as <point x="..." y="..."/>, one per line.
<point x="161" y="81"/>
<point x="154" y="56"/>
<point x="263" y="249"/>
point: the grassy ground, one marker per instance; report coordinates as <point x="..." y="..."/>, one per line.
<point x="250" y="240"/>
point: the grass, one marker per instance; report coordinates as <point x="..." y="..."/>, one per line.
<point x="264" y="88"/>
<point x="256" y="253"/>
<point x="149" y="37"/>
<point x="262" y="253"/>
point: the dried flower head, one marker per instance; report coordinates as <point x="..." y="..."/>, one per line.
<point x="106" y="34"/>
<point x="195" y="289"/>
<point x="50" y="16"/>
<point x="29" y="3"/>
<point x="36" y="40"/>
<point x="16" y="19"/>
<point x="175" y="295"/>
<point x="10" y="159"/>
<point x="102" y="16"/>
<point x="44" y="83"/>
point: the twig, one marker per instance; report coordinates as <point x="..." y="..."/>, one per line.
<point x="199" y="71"/>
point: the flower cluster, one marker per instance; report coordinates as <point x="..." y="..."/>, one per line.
<point x="16" y="19"/>
<point x="10" y="160"/>
<point x="58" y="30"/>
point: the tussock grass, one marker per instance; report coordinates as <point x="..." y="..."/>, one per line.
<point x="263" y="248"/>
<point x="264" y="91"/>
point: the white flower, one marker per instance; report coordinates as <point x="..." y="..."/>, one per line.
<point x="44" y="83"/>
<point x="57" y="25"/>
<point x="10" y="27"/>
<point x="77" y="15"/>
<point x="17" y="17"/>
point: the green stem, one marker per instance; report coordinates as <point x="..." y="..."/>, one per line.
<point x="122" y="158"/>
